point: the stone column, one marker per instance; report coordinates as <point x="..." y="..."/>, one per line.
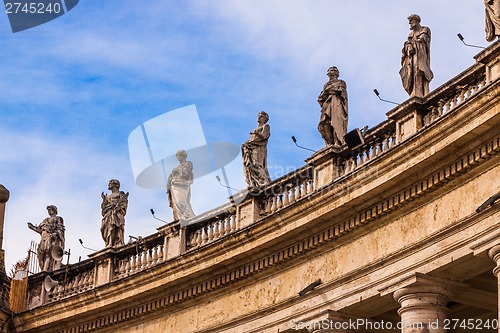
<point x="423" y="307"/>
<point x="494" y="254"/>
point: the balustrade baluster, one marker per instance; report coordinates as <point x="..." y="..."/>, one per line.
<point x="286" y="199"/>
<point x="273" y="204"/>
<point x="348" y="166"/>
<point x="127" y="265"/>
<point x="73" y="285"/>
<point x="310" y="186"/>
<point x="299" y="191"/>
<point x="361" y="158"/>
<point x="216" y="229"/>
<point x="155" y="254"/>
<point x="387" y="143"/>
<point x="210" y="231"/>
<point x="233" y="223"/>
<point x="81" y="281"/>
<point x="160" y="253"/>
<point x="194" y="239"/>
<point x="199" y="236"/>
<point x="367" y="152"/>
<point x="393" y="139"/>
<point x="380" y="146"/>
<point x="292" y="194"/>
<point x="373" y="150"/>
<point x="149" y="252"/>
<point x="133" y="264"/>
<point x="225" y="228"/>
<point x="139" y="260"/>
<point x="204" y="236"/>
<point x="462" y="94"/>
<point x="84" y="281"/>
<point x="280" y="201"/>
<point x="90" y="278"/>
<point x="121" y="267"/>
<point x="449" y="105"/>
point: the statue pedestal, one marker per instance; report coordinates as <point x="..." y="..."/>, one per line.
<point x="325" y="163"/>
<point x="408" y="117"/>
<point x="489" y="57"/>
<point x="104" y="265"/>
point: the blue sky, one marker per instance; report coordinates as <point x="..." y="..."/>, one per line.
<point x="73" y="89"/>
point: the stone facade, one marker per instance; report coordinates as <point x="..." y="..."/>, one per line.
<point x="388" y="233"/>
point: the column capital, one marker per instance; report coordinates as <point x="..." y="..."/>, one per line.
<point x="494" y="253"/>
<point x="423" y="301"/>
<point x="423" y="282"/>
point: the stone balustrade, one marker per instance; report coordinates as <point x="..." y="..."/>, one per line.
<point x="142" y="254"/>
<point x="67" y="281"/>
<point x="285" y="191"/>
<point x="72" y="286"/>
<point x="378" y="141"/>
<point x="453" y="94"/>
<point x="212" y="229"/>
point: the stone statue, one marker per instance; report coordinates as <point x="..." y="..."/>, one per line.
<point x="113" y="209"/>
<point x="4" y="194"/>
<point x="415" y="60"/>
<point x="492" y="9"/>
<point x="179" y="188"/>
<point x="334" y="109"/>
<point x="4" y="197"/>
<point x="51" y="230"/>
<point x="254" y="153"/>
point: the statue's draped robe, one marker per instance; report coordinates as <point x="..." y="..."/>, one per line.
<point x="492" y="11"/>
<point x="114" y="209"/>
<point x="52" y="234"/>
<point x="179" y="191"/>
<point x="334" y="113"/>
<point x="415" y="69"/>
<point x="254" y="154"/>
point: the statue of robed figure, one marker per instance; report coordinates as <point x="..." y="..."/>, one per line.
<point x="179" y="188"/>
<point x="415" y="59"/>
<point x="334" y="109"/>
<point x="113" y="210"/>
<point x="254" y="153"/>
